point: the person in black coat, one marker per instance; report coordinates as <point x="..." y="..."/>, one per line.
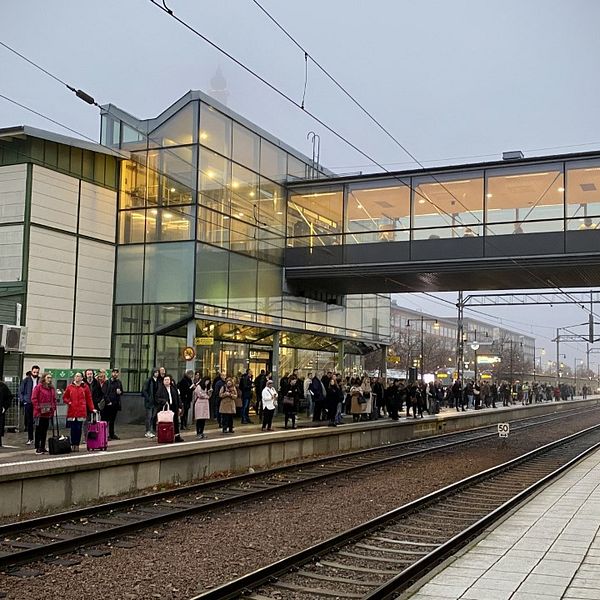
<point x="113" y="390"/>
<point x="316" y="388"/>
<point x="95" y="388"/>
<point x="6" y="398"/>
<point x="167" y="394"/>
<point x="186" y="391"/>
<point x="333" y="396"/>
<point x="291" y="401"/>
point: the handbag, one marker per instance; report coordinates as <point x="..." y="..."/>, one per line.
<point x="288" y="402"/>
<point x="102" y="404"/>
<point x="46" y="409"/>
<point x="165" y="415"/>
<point x="58" y="444"/>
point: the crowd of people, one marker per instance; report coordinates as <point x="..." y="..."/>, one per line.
<point x="197" y="398"/>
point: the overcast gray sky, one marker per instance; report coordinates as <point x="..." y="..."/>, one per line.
<point x="453" y="81"/>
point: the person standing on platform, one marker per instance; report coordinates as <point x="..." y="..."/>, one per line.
<point x="218" y="383"/>
<point x="149" y="394"/>
<point x="269" y="402"/>
<point x="201" y="404"/>
<point x="227" y="397"/>
<point x="114" y="389"/>
<point x="79" y="401"/>
<point x="25" y="390"/>
<point x="356" y="400"/>
<point x="308" y="395"/>
<point x="377" y="392"/>
<point x="333" y="397"/>
<point x="167" y="394"/>
<point x="6" y="398"/>
<point x="318" y="393"/>
<point x="43" y="399"/>
<point x="246" y="384"/>
<point x="292" y="400"/>
<point x="186" y="390"/>
<point x="259" y="385"/>
<point x="95" y="388"/>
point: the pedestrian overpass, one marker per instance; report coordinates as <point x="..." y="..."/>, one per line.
<point x="525" y="223"/>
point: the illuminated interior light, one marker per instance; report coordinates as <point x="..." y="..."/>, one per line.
<point x="240" y="214"/>
<point x="252" y="194"/>
<point x="173" y="190"/>
<point x="203" y="135"/>
<point x="421" y="201"/>
<point x="225" y="217"/>
<point x="561" y="189"/>
<point x="235" y="185"/>
<point x="279" y="212"/>
<point x="210" y="174"/>
<point x="167" y="215"/>
<point x="488" y="195"/>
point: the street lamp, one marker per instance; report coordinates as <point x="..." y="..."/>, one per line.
<point x="475" y="347"/>
<point x="436" y="326"/>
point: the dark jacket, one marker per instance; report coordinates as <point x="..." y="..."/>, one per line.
<point x="149" y="393"/>
<point x="186" y="390"/>
<point x="95" y="390"/>
<point x="25" y="389"/>
<point x="259" y="384"/>
<point x="316" y="387"/>
<point x="112" y="398"/>
<point x="162" y="397"/>
<point x="246" y="385"/>
<point x="6" y="398"/>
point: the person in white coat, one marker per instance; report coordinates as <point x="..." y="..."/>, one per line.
<point x="269" y="402"/>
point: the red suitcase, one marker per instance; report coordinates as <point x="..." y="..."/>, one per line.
<point x="165" y="432"/>
<point x="97" y="434"/>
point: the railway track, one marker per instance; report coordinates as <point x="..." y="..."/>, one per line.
<point x="48" y="536"/>
<point x="380" y="558"/>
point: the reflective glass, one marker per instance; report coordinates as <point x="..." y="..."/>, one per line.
<point x="455" y="231"/>
<point x="170" y="224"/>
<point x="454" y="200"/>
<point x="295" y="309"/>
<point x="214" y="179"/>
<point x="213" y="227"/>
<point x="177" y="131"/>
<point x="269" y="289"/>
<point x="523" y="194"/>
<point x="212" y="269"/>
<point x="244" y="193"/>
<point x="132" y="139"/>
<point x="246" y="147"/>
<point x="271" y="206"/>
<point x="215" y="130"/>
<point x="242" y="283"/>
<point x="177" y="181"/>
<point x="273" y="161"/>
<point x="583" y="194"/>
<point x="169" y="272"/>
<point x="130" y="270"/>
<point x="132" y="226"/>
<point x="317" y="215"/>
<point x="296" y="168"/>
<point x="316" y="315"/>
<point x="354" y="312"/>
<point x="242" y="236"/>
<point x="377" y="212"/>
<point x="133" y="182"/>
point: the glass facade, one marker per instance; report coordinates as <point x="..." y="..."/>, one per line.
<point x="502" y="200"/>
<point x="203" y="224"/>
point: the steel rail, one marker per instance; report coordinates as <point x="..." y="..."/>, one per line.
<point x="299" y="470"/>
<point x="270" y="574"/>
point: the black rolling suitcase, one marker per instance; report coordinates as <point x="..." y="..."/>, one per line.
<point x="58" y="444"/>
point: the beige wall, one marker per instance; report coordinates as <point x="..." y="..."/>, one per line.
<point x="12" y="193"/>
<point x="54" y="198"/>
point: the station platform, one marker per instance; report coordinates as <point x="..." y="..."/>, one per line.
<point x="31" y="483"/>
<point x="547" y="549"/>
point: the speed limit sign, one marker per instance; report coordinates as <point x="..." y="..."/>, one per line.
<point x="503" y="430"/>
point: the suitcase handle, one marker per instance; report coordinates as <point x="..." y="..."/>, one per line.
<point x="94" y="417"/>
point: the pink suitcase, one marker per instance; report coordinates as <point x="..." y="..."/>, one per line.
<point x="97" y="434"/>
<point x="165" y="433"/>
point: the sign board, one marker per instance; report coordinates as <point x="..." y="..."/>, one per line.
<point x="204" y="341"/>
<point x="488" y="359"/>
<point x="486" y="376"/>
<point x="188" y="353"/>
<point x="503" y="430"/>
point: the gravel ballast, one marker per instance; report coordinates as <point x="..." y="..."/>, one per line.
<point x="186" y="557"/>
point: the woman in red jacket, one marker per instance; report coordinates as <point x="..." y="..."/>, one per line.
<point x="77" y="396"/>
<point x="43" y="398"/>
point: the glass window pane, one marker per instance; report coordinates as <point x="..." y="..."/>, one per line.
<point x="583" y="194"/>
<point x="271" y="206"/>
<point x="269" y="289"/>
<point x="213" y="227"/>
<point x="377" y="212"/>
<point x="170" y="224"/>
<point x="314" y="216"/>
<point x="132" y="226"/>
<point x="212" y="268"/>
<point x="296" y="168"/>
<point x="244" y="189"/>
<point x="130" y="269"/>
<point x="132" y="139"/>
<point x="168" y="273"/>
<point x="452" y="201"/>
<point x="214" y="179"/>
<point x="177" y="182"/>
<point x="133" y="182"/>
<point x="246" y="147"/>
<point x="523" y="194"/>
<point x="273" y="161"/>
<point x="215" y="130"/>
<point x="177" y="131"/>
<point x="242" y="283"/>
<point x="242" y="236"/>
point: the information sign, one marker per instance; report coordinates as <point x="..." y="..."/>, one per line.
<point x="503" y="430"/>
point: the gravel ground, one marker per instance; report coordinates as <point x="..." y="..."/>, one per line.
<point x="183" y="558"/>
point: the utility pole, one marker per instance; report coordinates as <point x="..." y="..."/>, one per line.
<point x="557" y="355"/>
<point x="459" y="336"/>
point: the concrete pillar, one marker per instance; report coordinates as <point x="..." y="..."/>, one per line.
<point x="340" y="357"/>
<point x="191" y="342"/>
<point x="275" y="365"/>
<point x="383" y="365"/>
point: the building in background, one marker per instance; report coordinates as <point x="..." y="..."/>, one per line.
<point x="58" y="213"/>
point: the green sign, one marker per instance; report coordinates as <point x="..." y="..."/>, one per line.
<point x="69" y="373"/>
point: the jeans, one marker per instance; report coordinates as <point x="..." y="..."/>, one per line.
<point x="75" y="427"/>
<point x="150" y="415"/>
<point x="28" y="413"/>
<point x="41" y="431"/>
<point x="246" y="409"/>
